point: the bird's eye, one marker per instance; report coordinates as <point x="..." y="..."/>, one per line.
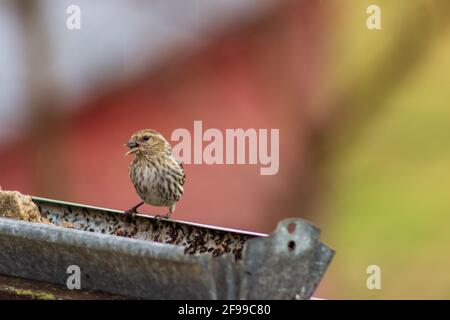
<point x="146" y="138"/>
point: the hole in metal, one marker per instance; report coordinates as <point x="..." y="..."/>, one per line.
<point x="291" y="245"/>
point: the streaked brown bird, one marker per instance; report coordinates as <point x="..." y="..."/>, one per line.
<point x="158" y="176"/>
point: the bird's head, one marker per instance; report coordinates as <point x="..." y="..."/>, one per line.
<point x="146" y="141"/>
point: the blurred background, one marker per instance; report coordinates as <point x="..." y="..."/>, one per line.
<point x="363" y="115"/>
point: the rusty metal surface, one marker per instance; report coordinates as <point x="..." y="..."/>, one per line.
<point x="195" y="239"/>
<point x="293" y="257"/>
<point x="160" y="259"/>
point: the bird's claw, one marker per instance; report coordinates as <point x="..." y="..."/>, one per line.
<point x="130" y="214"/>
<point x="162" y="216"/>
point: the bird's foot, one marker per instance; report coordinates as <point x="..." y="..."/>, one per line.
<point x="162" y="216"/>
<point x="131" y="213"/>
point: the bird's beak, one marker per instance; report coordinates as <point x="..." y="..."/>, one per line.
<point x="132" y="145"/>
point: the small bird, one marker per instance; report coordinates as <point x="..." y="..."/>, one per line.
<point x="158" y="176"/>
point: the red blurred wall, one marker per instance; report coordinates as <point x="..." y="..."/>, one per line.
<point x="263" y="75"/>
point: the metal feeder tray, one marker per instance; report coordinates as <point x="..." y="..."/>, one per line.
<point x="163" y="259"/>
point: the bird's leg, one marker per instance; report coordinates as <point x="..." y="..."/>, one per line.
<point x="131" y="212"/>
<point x="167" y="215"/>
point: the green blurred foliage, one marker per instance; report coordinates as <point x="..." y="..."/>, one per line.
<point x="390" y="187"/>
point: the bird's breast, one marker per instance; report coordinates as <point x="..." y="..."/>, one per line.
<point x="158" y="183"/>
<point x="147" y="180"/>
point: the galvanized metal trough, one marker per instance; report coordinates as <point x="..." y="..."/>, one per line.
<point x="162" y="259"/>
